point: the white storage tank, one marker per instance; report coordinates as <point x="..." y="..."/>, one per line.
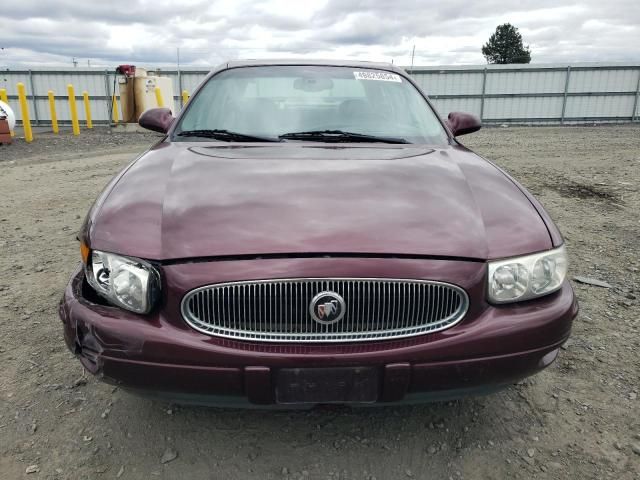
<point x="137" y="94"/>
<point x="145" y="92"/>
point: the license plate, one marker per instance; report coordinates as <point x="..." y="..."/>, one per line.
<point x="327" y="385"/>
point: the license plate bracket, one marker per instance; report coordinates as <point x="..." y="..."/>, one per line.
<point x="327" y="385"/>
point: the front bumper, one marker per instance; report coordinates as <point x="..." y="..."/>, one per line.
<point x="164" y="357"/>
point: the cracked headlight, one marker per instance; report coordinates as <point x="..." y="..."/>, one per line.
<point x="126" y="282"/>
<point x="522" y="278"/>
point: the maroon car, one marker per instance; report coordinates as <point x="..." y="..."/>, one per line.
<point x="313" y="232"/>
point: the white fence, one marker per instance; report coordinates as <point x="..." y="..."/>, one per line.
<point x="577" y="93"/>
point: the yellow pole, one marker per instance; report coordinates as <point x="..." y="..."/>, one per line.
<point x="26" y="121"/>
<point x="115" y="116"/>
<point x="185" y="97"/>
<point x="52" y="107"/>
<point x="87" y="109"/>
<point x="73" y="109"/>
<point x="159" y="99"/>
<point x="5" y="99"/>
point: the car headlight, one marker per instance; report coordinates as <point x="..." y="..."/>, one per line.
<point x="530" y="276"/>
<point x="126" y="282"/>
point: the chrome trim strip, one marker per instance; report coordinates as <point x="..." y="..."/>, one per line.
<point x="444" y="297"/>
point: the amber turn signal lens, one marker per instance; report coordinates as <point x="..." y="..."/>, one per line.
<point x="84" y="252"/>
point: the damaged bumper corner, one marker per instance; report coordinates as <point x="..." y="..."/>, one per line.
<point x="82" y="337"/>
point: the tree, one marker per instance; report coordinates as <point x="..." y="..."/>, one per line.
<point x="505" y="46"/>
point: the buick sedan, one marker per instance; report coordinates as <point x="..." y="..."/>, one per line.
<point x="313" y="232"/>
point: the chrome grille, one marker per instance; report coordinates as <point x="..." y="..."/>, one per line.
<point x="278" y="310"/>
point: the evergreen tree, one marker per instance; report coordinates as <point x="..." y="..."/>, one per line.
<point x="505" y="46"/>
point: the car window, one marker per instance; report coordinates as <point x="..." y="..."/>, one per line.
<point x="275" y="100"/>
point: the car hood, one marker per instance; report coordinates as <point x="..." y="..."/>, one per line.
<point x="186" y="200"/>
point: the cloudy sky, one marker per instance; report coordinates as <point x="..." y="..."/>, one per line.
<point x="206" y="32"/>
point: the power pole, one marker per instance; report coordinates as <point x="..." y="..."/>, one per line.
<point x="179" y="75"/>
<point x="4" y="80"/>
<point x="413" y="52"/>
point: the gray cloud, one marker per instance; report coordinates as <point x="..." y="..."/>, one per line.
<point x="117" y="12"/>
<point x="149" y="32"/>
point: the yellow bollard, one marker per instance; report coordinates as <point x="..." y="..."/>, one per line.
<point x="73" y="109"/>
<point x="54" y="116"/>
<point x="87" y="109"/>
<point x="159" y="99"/>
<point x="5" y="99"/>
<point x="26" y="121"/>
<point x="185" y="97"/>
<point x="115" y="116"/>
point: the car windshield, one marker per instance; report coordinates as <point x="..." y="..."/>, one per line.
<point x="310" y="103"/>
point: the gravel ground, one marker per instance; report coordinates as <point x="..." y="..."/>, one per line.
<point x="47" y="146"/>
<point x="577" y="420"/>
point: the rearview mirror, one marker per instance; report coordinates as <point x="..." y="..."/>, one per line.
<point x="313" y="84"/>
<point x="461" y="123"/>
<point x="156" y="119"/>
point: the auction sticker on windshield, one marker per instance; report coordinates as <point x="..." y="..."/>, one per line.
<point x="382" y="76"/>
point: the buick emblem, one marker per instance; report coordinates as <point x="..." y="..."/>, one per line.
<point x="327" y="308"/>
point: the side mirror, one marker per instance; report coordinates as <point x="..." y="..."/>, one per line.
<point x="156" y="119"/>
<point x="461" y="123"/>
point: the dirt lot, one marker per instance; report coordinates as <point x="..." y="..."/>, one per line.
<point x="578" y="419"/>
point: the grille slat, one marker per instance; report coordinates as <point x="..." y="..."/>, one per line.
<point x="278" y="310"/>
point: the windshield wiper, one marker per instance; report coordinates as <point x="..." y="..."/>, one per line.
<point x="340" y="136"/>
<point x="226" y="135"/>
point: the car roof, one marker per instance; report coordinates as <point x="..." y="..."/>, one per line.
<point x="319" y="62"/>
